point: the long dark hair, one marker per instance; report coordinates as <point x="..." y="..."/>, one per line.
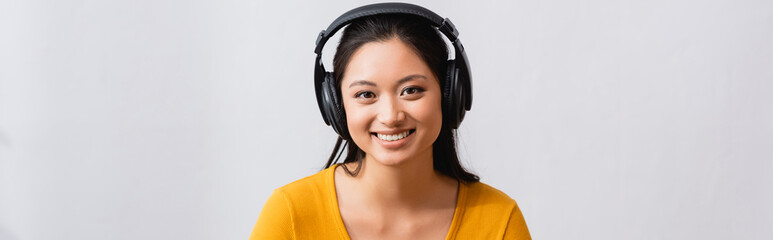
<point x="426" y="41"/>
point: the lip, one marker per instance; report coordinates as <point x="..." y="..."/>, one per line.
<point x="392" y="144"/>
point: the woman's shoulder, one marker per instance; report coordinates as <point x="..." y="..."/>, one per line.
<point x="489" y="213"/>
<point x="299" y="209"/>
<point x="312" y="195"/>
<point x="315" y="183"/>
<point x="482" y="193"/>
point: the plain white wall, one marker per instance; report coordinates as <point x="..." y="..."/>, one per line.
<point x="176" y="119"/>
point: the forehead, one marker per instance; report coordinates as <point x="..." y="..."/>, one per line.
<point x="384" y="62"/>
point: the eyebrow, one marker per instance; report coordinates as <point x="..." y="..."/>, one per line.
<point x="401" y="81"/>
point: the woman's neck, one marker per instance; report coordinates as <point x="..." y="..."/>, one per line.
<point x="412" y="184"/>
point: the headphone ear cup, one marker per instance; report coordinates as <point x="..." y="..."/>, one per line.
<point x="334" y="108"/>
<point x="326" y="101"/>
<point x="452" y="93"/>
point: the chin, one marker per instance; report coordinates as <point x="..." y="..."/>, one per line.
<point x="398" y="158"/>
<point x="386" y="159"/>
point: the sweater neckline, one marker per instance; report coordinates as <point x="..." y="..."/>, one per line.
<point x="461" y="202"/>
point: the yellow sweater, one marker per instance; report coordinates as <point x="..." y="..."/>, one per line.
<point x="308" y="209"/>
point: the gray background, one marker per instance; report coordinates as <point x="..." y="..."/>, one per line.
<point x="176" y="119"/>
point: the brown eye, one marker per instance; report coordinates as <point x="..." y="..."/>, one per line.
<point x="412" y="90"/>
<point x="365" y="94"/>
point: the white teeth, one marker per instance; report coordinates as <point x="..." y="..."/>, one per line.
<point x="393" y="137"/>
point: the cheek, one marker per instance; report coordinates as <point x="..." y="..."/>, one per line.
<point x="429" y="113"/>
<point x="356" y="119"/>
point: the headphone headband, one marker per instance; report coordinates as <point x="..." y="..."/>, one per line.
<point x="444" y="25"/>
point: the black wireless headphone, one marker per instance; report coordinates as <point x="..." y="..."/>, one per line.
<point x="457" y="93"/>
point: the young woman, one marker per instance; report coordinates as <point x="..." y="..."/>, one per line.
<point x="395" y="101"/>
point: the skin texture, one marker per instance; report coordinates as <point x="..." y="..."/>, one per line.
<point x="388" y="88"/>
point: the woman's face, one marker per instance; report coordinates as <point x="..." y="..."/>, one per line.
<point x="392" y="102"/>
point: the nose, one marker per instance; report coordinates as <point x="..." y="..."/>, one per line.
<point x="390" y="112"/>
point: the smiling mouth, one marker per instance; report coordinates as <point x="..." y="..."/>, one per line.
<point x="394" y="137"/>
